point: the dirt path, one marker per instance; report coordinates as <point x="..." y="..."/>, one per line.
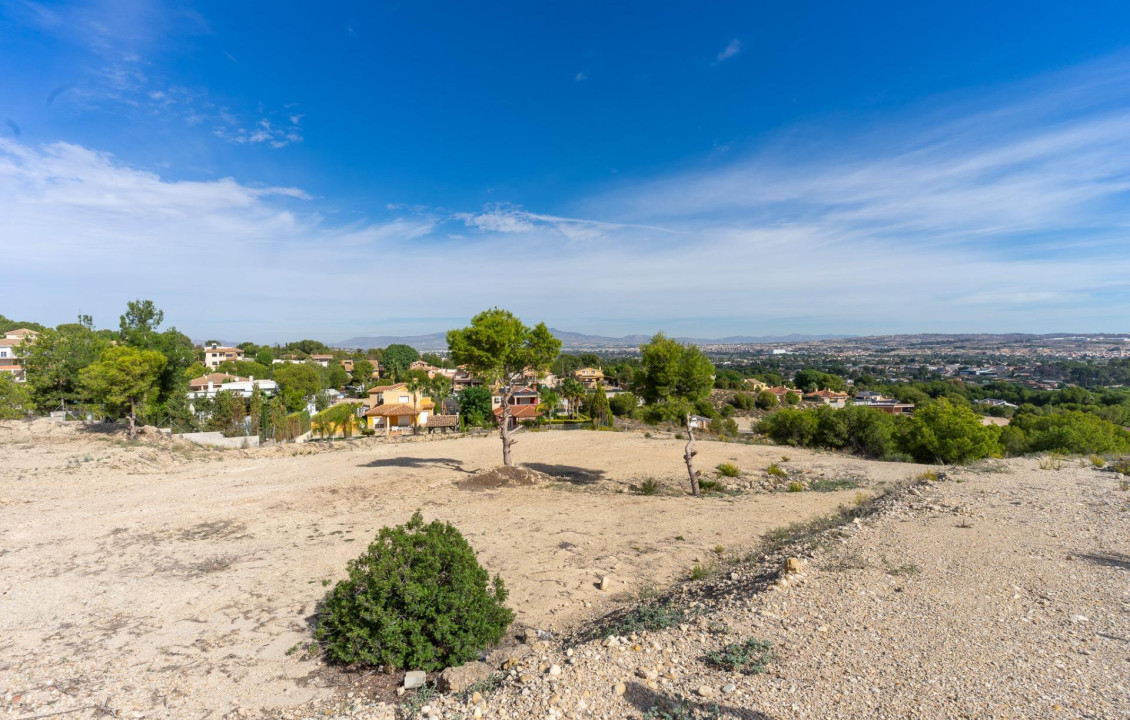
<point x="172" y="581"/>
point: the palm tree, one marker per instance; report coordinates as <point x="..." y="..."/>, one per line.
<point x="549" y="401"/>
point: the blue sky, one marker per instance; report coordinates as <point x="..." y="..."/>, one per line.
<point x="268" y="171"/>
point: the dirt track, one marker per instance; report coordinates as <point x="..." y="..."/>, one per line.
<point x="172" y="581"/>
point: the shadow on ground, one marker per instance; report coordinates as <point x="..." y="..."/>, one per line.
<point x="645" y="699"/>
<point x="414" y="462"/>
<point x="1114" y="560"/>
<point x="568" y="473"/>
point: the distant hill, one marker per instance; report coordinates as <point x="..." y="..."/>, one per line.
<point x="575" y="341"/>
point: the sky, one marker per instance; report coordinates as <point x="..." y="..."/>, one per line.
<point x="270" y="171"/>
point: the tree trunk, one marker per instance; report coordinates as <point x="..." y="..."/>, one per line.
<point x="132" y="419"/>
<point x="504" y="428"/>
<point x="688" y="456"/>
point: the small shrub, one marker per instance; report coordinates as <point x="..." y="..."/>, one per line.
<point x="861" y="498"/>
<point x="729" y="470"/>
<point x="775" y="470"/>
<point x="751" y="656"/>
<point x="1053" y="461"/>
<point x="646" y="618"/>
<point x="416" y="599"/>
<point x="795" y="486"/>
<point x="832" y="485"/>
<point x="680" y="538"/>
<point x="719" y="550"/>
<point x="784" y="458"/>
<point x="708" y="486"/>
<point x="927" y="476"/>
<point x="700" y="572"/>
<point x="647" y="435"/>
<point x="678" y="436"/>
<point x="1121" y="466"/>
<point x="648" y="487"/>
<point x="680" y="708"/>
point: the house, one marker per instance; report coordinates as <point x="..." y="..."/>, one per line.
<point x="891" y="407"/>
<point x="207" y="386"/>
<point x="463" y="380"/>
<point x="755" y="385"/>
<point x="831" y="398"/>
<point x="865" y="397"/>
<point x="698" y="422"/>
<point x="396" y="408"/>
<point x="589" y="377"/>
<point x="215" y="355"/>
<point x="323" y="360"/>
<point x="783" y="393"/>
<point x="995" y="402"/>
<point x="524" y="403"/>
<point x="347" y="365"/>
<point x="9" y="351"/>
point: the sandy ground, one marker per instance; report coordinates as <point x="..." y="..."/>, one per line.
<point x="162" y="580"/>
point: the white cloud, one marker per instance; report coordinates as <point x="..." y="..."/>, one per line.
<point x="731" y="50"/>
<point x="581" y="77"/>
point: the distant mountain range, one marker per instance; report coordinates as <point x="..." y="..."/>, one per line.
<point x="577" y="341"/>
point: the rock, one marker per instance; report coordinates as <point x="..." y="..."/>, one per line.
<point x="705" y="692"/>
<point x="605" y="582"/>
<point x="729" y="688"/>
<point x="414" y="679"/>
<point x="611" y="642"/>
<point x="458" y="679"/>
<point x="554" y="669"/>
<point x="620" y="688"/>
<point x="647" y="674"/>
<point x="792" y="565"/>
<point x="477" y="697"/>
<point x="1078" y="618"/>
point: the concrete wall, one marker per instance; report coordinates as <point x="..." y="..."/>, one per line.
<point x="216" y="439"/>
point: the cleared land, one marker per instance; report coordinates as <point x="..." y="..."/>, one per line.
<point x="163" y="580"/>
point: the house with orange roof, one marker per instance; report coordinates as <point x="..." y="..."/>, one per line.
<point x="215" y="355"/>
<point x="830" y="398"/>
<point x="396" y="408"/>
<point x="9" y="351"/>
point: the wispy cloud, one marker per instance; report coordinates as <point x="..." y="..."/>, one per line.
<point x="981" y="213"/>
<point x="732" y="49"/>
<point x="580" y="77"/>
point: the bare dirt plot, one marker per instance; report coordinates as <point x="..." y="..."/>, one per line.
<point x="178" y="582"/>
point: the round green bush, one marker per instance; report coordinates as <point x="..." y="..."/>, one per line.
<point x="417" y="599"/>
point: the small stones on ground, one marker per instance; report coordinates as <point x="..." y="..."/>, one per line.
<point x="605" y="582"/>
<point x="729" y="688"/>
<point x="554" y="669"/>
<point x="619" y="689"/>
<point x="705" y="691"/>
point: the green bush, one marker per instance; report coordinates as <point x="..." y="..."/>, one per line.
<point x="742" y="401"/>
<point x="751" y="656"/>
<point x="775" y="470"/>
<point x="416" y="599"/>
<point x="724" y="427"/>
<point x="766" y="400"/>
<point x="729" y="470"/>
<point x="624" y="405"/>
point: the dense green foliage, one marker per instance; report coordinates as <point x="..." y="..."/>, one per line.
<point x="15" y="398"/>
<point x="298" y="384"/>
<point x="416" y="599"/>
<point x="124" y="380"/>
<point x="475" y="405"/>
<point x="674" y="379"/>
<point x="396" y="360"/>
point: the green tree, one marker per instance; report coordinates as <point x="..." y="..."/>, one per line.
<point x="439" y="388"/>
<point x="396" y="358"/>
<point x="807" y="380"/>
<point x="674" y="378"/>
<point x="475" y="405"/>
<point x="624" y="405"/>
<point x="574" y="392"/>
<point x="255" y="411"/>
<point x="139" y="323"/>
<point x="53" y="362"/>
<point x="123" y="380"/>
<point x="15" y="398"/>
<point x="497" y="347"/>
<point x="298" y="383"/>
<point x="362" y="375"/>
<point x="549" y="402"/>
<point x="944" y="432"/>
<point x="598" y="407"/>
<point x="265" y="357"/>
<point x="766" y="400"/>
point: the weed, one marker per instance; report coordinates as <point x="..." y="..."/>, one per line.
<point x="485" y="686"/>
<point x="751" y="656"/>
<point x="851" y="560"/>
<point x="903" y="569"/>
<point x="832" y="485"/>
<point x="707" y="486"/>
<point x="927" y="476"/>
<point x="1124" y="485"/>
<point x="700" y="572"/>
<point x="719" y="550"/>
<point x="680" y="538"/>
<point x="729" y="470"/>
<point x="293" y="648"/>
<point x="861" y="498"/>
<point x="1121" y="466"/>
<point x="326" y="581"/>
<point x="784" y="458"/>
<point x="718" y="627"/>
<point x="795" y="486"/>
<point x="775" y="471"/>
<point x="1054" y="461"/>
<point x="678" y="436"/>
<point x="411" y="707"/>
<point x="651" y="616"/>
<point x="648" y="487"/>
<point x="647" y="435"/>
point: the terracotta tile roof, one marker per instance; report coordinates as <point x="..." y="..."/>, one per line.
<point x="443" y="421"/>
<point x="215" y="379"/>
<point x="521" y="412"/>
<point x="21" y="332"/>
<point x="10" y="342"/>
<point x="382" y="388"/>
<point x="388" y="410"/>
<point x="831" y="394"/>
